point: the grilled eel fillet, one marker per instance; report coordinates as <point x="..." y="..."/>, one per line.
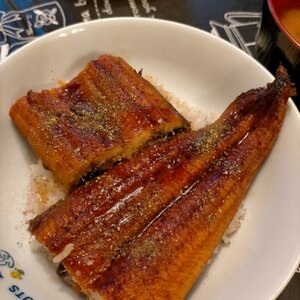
<point x="104" y="114"/>
<point x="146" y="228"/>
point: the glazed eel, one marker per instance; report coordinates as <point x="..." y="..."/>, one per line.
<point x="146" y="228"/>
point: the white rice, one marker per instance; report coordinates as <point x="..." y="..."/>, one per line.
<point x="63" y="254"/>
<point x="191" y="112"/>
<point x="43" y="191"/>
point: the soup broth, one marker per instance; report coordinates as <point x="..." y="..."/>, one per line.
<point x="291" y="21"/>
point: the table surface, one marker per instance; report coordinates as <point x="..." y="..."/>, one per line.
<point x="234" y="21"/>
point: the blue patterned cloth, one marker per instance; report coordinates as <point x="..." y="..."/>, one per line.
<point x="22" y="21"/>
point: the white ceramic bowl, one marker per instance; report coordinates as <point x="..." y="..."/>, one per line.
<point x="198" y="68"/>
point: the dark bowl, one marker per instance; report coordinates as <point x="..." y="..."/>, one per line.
<point x="276" y="44"/>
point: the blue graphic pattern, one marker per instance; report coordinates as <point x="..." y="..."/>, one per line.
<point x="6" y="259"/>
<point x="23" y="21"/>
